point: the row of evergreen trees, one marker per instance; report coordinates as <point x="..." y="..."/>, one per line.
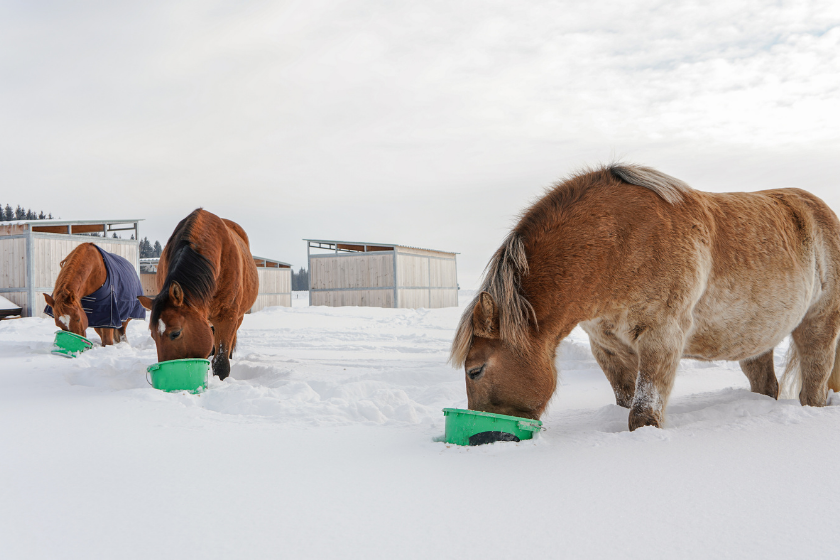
<point x="7" y="214"/>
<point x="149" y="251"/>
<point x="300" y="280"/>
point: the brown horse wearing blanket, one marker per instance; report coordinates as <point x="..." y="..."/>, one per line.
<point x="207" y="281"/>
<point x="82" y="272"/>
<point x="655" y="271"/>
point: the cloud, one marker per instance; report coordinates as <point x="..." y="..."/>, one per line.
<point x="429" y="124"/>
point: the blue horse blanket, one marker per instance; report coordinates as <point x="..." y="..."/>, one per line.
<point x="116" y="301"/>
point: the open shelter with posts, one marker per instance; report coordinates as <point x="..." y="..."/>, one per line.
<point x="380" y="275"/>
<point x="31" y="252"/>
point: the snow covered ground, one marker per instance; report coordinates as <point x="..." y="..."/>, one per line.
<point x="322" y="445"/>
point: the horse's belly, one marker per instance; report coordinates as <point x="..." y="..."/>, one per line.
<point x="736" y="326"/>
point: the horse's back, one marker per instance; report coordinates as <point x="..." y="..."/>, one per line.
<point x="237" y="229"/>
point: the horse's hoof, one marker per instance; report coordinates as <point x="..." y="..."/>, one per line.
<point x="642" y="418"/>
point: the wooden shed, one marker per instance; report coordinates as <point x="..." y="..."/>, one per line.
<point x="380" y="275"/>
<point x="275" y="282"/>
<point x="31" y="252"/>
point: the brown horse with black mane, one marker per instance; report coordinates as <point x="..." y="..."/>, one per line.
<point x="655" y="271"/>
<point x="207" y="281"/>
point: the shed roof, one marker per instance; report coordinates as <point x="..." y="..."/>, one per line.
<point x="270" y="263"/>
<point x="261" y="262"/>
<point x="66" y="226"/>
<point x="364" y="246"/>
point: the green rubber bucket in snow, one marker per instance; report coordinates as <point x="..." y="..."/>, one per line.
<point x="471" y="427"/>
<point x="70" y="344"/>
<point x="189" y="374"/>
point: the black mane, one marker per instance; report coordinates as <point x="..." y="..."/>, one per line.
<point x="190" y="269"/>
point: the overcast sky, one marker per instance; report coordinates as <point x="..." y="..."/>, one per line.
<point x="428" y="123"/>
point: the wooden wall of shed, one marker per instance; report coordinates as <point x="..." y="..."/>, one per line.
<point x="359" y="298"/>
<point x="275" y="288"/>
<point x="149" y="282"/>
<point x="430" y="299"/>
<point x="48" y="252"/>
<point x="13" y="263"/>
<point x="271" y="300"/>
<point x="365" y="270"/>
<point x="421" y="269"/>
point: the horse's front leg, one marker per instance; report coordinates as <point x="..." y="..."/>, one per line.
<point x="621" y="368"/>
<point x="224" y="333"/>
<point x="660" y="350"/>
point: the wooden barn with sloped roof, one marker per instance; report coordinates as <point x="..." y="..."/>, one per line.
<point x="380" y="275"/>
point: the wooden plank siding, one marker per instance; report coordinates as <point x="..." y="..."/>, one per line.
<point x="421" y="278"/>
<point x="13" y="263"/>
<point x="275" y="288"/>
<point x="357" y="298"/>
<point x="48" y="252"/>
<point x="149" y="282"/>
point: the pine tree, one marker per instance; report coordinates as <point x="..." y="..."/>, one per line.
<point x="20" y="213"/>
<point x="41" y="215"/>
<point x="9" y="214"/>
<point x="158" y="249"/>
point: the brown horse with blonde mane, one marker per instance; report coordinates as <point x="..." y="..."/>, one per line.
<point x="207" y="281"/>
<point x="655" y="271"/>
<point x="84" y="274"/>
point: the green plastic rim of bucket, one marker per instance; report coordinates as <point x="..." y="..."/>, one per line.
<point x="188" y="374"/>
<point x="70" y="344"/>
<point x="461" y="425"/>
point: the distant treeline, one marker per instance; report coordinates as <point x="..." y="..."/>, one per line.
<point x="300" y="280"/>
<point x="149" y="251"/>
<point x="7" y="214"/>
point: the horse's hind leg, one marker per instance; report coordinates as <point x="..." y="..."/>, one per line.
<point x="620" y="368"/>
<point x="762" y="375"/>
<point x="120" y="335"/>
<point x="816" y="346"/>
<point x="106" y="336"/>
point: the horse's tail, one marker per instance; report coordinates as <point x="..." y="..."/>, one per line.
<point x="791" y="382"/>
<point x="834" y="378"/>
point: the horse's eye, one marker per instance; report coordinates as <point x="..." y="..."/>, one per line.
<point x="174" y="334"/>
<point x="476" y="372"/>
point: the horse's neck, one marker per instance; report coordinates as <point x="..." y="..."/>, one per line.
<point x="561" y="307"/>
<point x="82" y="275"/>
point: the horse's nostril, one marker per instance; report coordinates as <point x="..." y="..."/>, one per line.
<point x="476" y="372"/>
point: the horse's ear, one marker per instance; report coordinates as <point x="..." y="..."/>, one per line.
<point x="50" y="300"/>
<point x="486" y="317"/>
<point x="145" y="302"/>
<point x="176" y="294"/>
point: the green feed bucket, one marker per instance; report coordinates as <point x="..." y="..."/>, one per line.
<point x="471" y="427"/>
<point x="70" y="344"/>
<point x="189" y="374"/>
